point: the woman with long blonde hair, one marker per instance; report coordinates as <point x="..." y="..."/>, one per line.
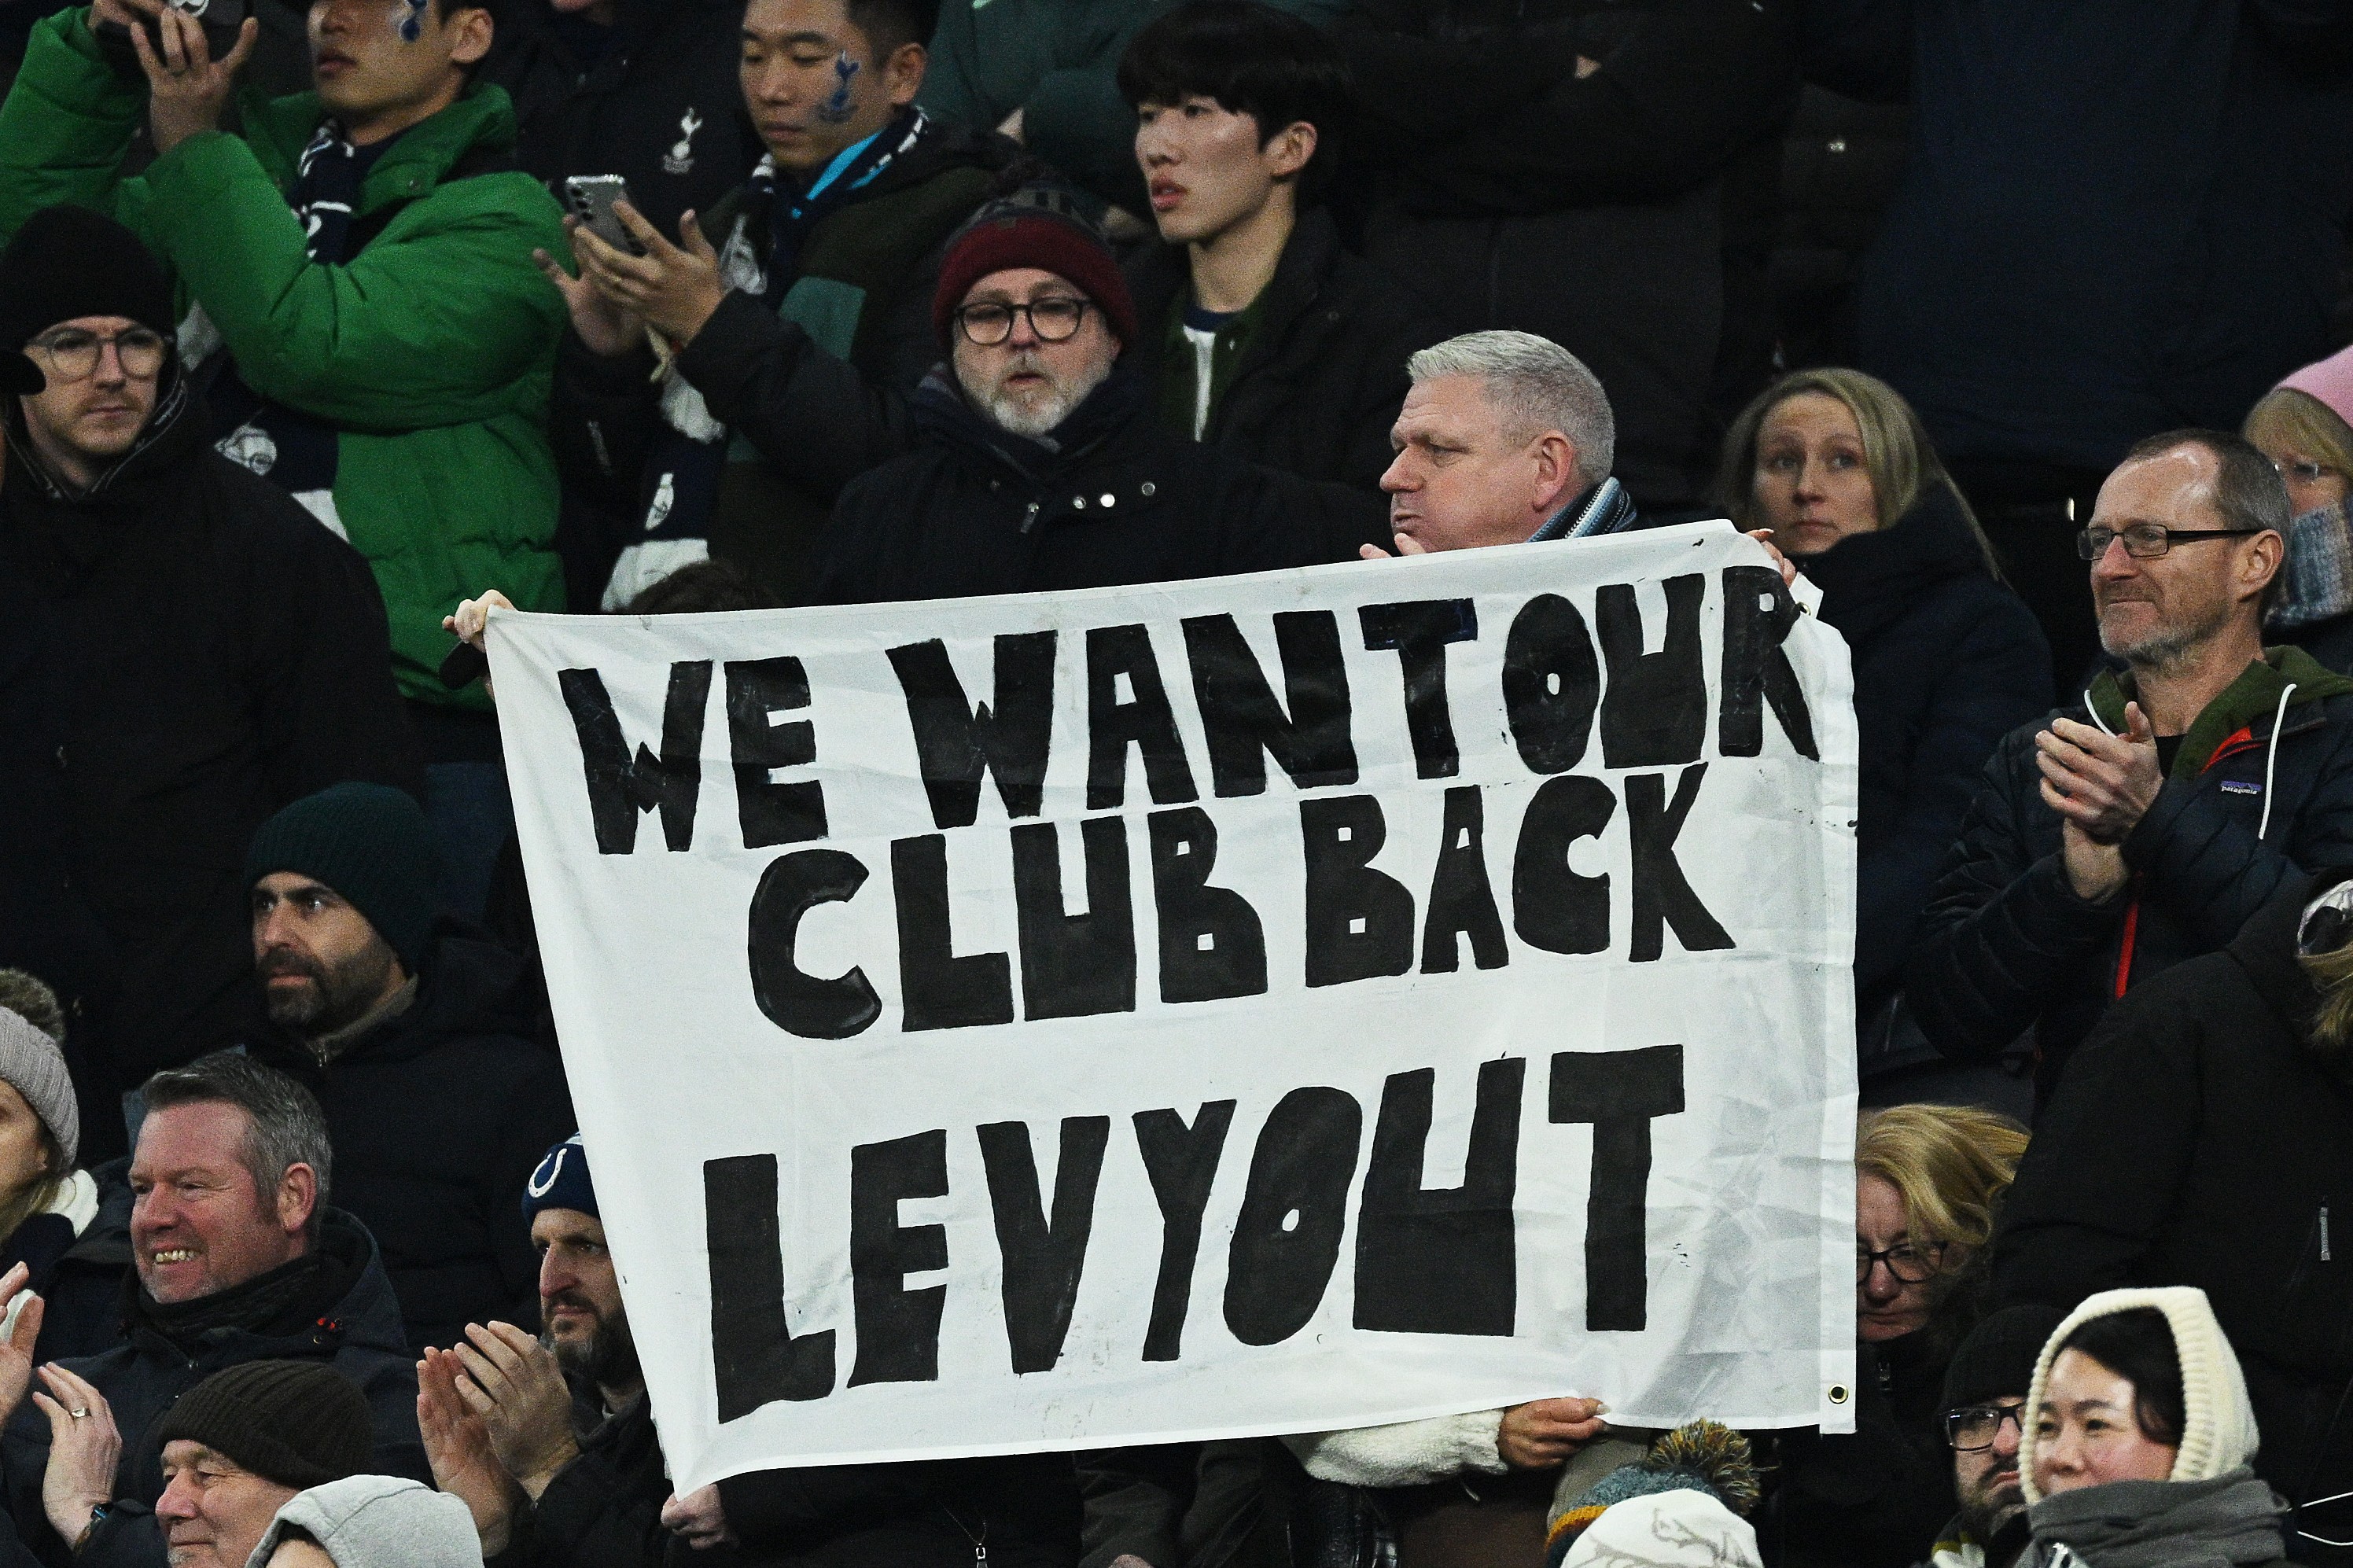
<point x="1946" y="658"/>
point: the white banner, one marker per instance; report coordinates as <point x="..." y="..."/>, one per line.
<point x="1251" y="1005"/>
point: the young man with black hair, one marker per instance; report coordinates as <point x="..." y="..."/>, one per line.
<point x="829" y="252"/>
<point x="370" y="334"/>
<point x="1260" y="334"/>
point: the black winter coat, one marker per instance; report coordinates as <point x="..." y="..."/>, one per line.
<point x="220" y="655"/>
<point x="975" y="512"/>
<point x="929" y="1514"/>
<point x="1591" y="210"/>
<point x="347" y="1318"/>
<point x="81" y="1295"/>
<point x="2005" y="942"/>
<point x="662" y="106"/>
<point x="602" y="1509"/>
<point x="438" y="1116"/>
<point x="2201" y="1138"/>
<point x="1873" y="1497"/>
<point x="2120" y="217"/>
<point x="1319" y="385"/>
<point x="1947" y="662"/>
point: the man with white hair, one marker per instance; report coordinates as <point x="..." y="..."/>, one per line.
<point x="1037" y="460"/>
<point x="1505" y="438"/>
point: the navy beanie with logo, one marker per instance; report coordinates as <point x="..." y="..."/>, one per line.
<point x="561" y="1182"/>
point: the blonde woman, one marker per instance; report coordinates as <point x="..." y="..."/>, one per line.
<point x="1928" y="1181"/>
<point x="2302" y="426"/>
<point x="1946" y="658"/>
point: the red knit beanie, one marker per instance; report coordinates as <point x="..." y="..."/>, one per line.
<point x="1038" y="227"/>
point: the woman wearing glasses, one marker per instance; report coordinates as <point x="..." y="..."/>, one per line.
<point x="1928" y="1182"/>
<point x="1946" y="658"/>
<point x="2302" y="426"/>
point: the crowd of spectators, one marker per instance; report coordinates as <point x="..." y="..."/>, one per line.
<point x="2010" y="326"/>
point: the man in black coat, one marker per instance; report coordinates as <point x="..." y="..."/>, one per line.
<point x="2202" y="1137"/>
<point x="414" y="1039"/>
<point x="1041" y="466"/>
<point x="200" y="650"/>
<point x="237" y="1258"/>
<point x="2144" y="825"/>
<point x="1257" y="332"/>
<point x="1600" y="172"/>
<point x="551" y="1442"/>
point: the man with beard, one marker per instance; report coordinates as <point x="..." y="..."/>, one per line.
<point x="2144" y="826"/>
<point x="1984" y="1414"/>
<point x="551" y="1441"/>
<point x="414" y="1036"/>
<point x="1039" y="464"/>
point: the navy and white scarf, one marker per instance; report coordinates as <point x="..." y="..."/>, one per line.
<point x="1604" y="509"/>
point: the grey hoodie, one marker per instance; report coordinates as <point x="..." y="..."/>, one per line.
<point x="2228" y="1522"/>
<point x="378" y="1522"/>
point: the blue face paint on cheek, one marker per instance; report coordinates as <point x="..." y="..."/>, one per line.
<point x="408" y="19"/>
<point x="837" y="107"/>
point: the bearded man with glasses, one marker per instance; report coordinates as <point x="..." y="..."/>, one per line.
<point x="2143" y="825"/>
<point x="1985" y="1403"/>
<point x="191" y="648"/>
<point x="1038" y="462"/>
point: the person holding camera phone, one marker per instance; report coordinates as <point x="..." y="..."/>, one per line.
<point x="360" y="265"/>
<point x="831" y="248"/>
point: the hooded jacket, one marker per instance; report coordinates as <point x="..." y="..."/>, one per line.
<point x="1316" y="382"/>
<point x="861" y="293"/>
<point x="378" y="1522"/>
<point x="1109" y="498"/>
<point x="2261" y="788"/>
<point x="2212" y="1511"/>
<point x="339" y="1310"/>
<point x="426" y="355"/>
<point x="210" y="653"/>
<point x="2201" y="1139"/>
<point x="1947" y="660"/>
<point x="438" y="1115"/>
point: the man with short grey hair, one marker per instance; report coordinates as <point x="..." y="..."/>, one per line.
<point x="238" y="1259"/>
<point x="1505" y="438"/>
<point x="2142" y="825"/>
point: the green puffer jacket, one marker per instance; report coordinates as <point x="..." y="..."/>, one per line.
<point x="430" y="351"/>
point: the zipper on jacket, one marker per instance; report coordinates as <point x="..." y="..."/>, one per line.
<point x="2324" y="1232"/>
<point x="1030" y="518"/>
<point x="2241" y="740"/>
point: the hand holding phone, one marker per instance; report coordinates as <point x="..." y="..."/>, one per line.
<point x="591" y="199"/>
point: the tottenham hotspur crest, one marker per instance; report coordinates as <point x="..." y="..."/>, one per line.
<point x="681" y="153"/>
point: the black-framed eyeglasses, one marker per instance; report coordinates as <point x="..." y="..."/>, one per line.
<point x="2147" y="541"/>
<point x="74" y="353"/>
<point x="1973" y="1429"/>
<point x="1054" y="319"/>
<point x="1910" y="1264"/>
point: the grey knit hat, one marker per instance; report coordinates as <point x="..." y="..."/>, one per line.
<point x="35" y="1067"/>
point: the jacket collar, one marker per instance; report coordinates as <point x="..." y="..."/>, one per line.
<point x="418" y="159"/>
<point x="1604" y="509"/>
<point x="2248" y="703"/>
